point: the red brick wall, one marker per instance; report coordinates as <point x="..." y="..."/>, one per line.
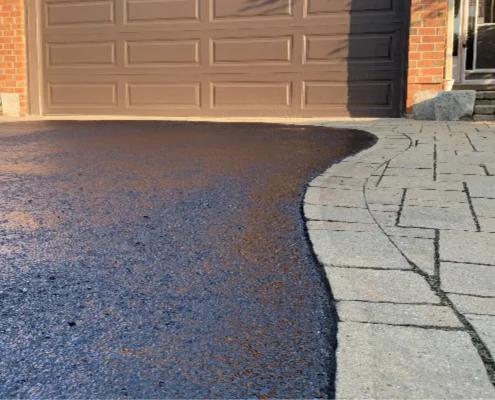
<point x="427" y="41"/>
<point x="13" y="73"/>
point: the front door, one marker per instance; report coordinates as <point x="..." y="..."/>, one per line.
<point x="479" y="41"/>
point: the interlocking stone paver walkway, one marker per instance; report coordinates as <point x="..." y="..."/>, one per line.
<point x="406" y="233"/>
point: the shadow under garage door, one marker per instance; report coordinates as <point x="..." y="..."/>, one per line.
<point x="295" y="58"/>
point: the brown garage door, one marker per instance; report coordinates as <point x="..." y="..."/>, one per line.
<point x="223" y="57"/>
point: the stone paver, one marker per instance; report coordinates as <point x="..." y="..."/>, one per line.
<point x="484" y="207"/>
<point x="337" y="181"/>
<point x="356" y="170"/>
<point x="434" y="198"/>
<point x="420" y="251"/>
<point x="485" y="211"/>
<point x="417" y="183"/>
<point x="473" y="304"/>
<point x="385" y="218"/>
<point x="397" y="314"/>
<point x="409" y="232"/>
<point x="487" y="224"/>
<point x="485" y="326"/>
<point x="334" y="197"/>
<point x="342" y="226"/>
<point x="386" y="285"/>
<point x="389" y="208"/>
<point x="394" y="362"/>
<point x="422" y="226"/>
<point x="453" y="217"/>
<point x="356" y="249"/>
<point x="424" y="173"/>
<point x="470" y="247"/>
<point x="472" y="279"/>
<point x="482" y="186"/>
<point x="337" y="214"/>
<point x="455" y="168"/>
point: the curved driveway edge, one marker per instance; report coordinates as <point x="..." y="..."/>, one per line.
<point x="406" y="233"/>
<point x="148" y="259"/>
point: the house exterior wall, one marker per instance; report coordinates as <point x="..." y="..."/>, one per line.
<point x="13" y="58"/>
<point x="427" y="40"/>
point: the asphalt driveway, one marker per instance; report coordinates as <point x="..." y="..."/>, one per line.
<point x="163" y="259"/>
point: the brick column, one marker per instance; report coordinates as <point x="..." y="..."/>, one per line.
<point x="13" y="68"/>
<point x="427" y="41"/>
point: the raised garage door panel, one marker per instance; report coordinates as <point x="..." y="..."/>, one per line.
<point x="223" y="57"/>
<point x="254" y="9"/>
<point x="181" y="95"/>
<point x="73" y="13"/>
<point x="251" y="94"/>
<point x="324" y="6"/>
<point x="155" y="53"/>
<point x="83" y="94"/>
<point x="81" y="54"/>
<point x="248" y="50"/>
<point x="323" y="94"/>
<point x="327" y="48"/>
<point x="160" y="11"/>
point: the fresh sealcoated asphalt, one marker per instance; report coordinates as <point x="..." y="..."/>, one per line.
<point x="163" y="259"/>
